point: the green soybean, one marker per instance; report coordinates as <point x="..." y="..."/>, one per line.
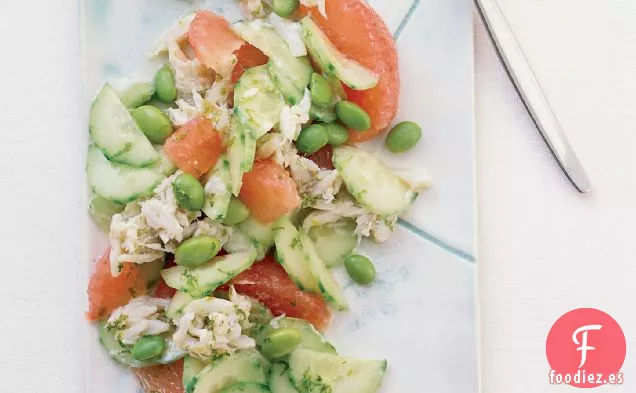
<point x="312" y="138"/>
<point x="285" y="8"/>
<point x="320" y="91"/>
<point x="189" y="192"/>
<point x="336" y="133"/>
<point x="148" y="347"/>
<point x="196" y="251"/>
<point x="280" y="342"/>
<point x="353" y="116"/>
<point x="403" y="136"/>
<point x="137" y="94"/>
<point x="360" y="269"/>
<point x="165" y="86"/>
<point x="237" y="212"/>
<point x="153" y="122"/>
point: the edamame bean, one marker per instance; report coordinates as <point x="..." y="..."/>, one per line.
<point x="165" y="87"/>
<point x="148" y="347"/>
<point x="280" y="342"/>
<point x="196" y="251"/>
<point x="403" y="136"/>
<point x="312" y="138"/>
<point x="237" y="212"/>
<point x="138" y="94"/>
<point x="337" y="133"/>
<point x="360" y="269"/>
<point x="353" y="116"/>
<point x="188" y="191"/>
<point x="285" y="8"/>
<point x="321" y="93"/>
<point x="153" y="122"/>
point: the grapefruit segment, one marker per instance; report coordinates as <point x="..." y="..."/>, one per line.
<point x="214" y="42"/>
<point x="106" y="293"/>
<point x="268" y="191"/>
<point x="166" y="378"/>
<point x="268" y="282"/>
<point x="359" y="33"/>
<point x="195" y="147"/>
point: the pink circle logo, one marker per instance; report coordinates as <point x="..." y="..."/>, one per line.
<point x="585" y="348"/>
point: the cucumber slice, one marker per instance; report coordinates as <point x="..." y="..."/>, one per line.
<point x="236" y="156"/>
<point x="179" y="301"/>
<point x="257" y="102"/>
<point x="114" y="130"/>
<point x="291" y="83"/>
<point x="371" y="182"/>
<point x="246" y="387"/>
<point x="332" y="61"/>
<point x="241" y="366"/>
<point x="315" y="372"/>
<point x="102" y="211"/>
<point x="121" y="354"/>
<point x="329" y="288"/>
<point x="249" y="153"/>
<point x="310" y="337"/>
<point x="261" y="235"/>
<point x="333" y="244"/>
<point x="216" y="204"/>
<point x="118" y="183"/>
<point x="164" y="165"/>
<point x="263" y="37"/>
<point x="203" y="280"/>
<point x="290" y="254"/>
<point x="151" y="271"/>
<point x="296" y="69"/>
<point x="191" y="367"/>
<point x="279" y="381"/>
<point x="325" y="115"/>
<point x="251" y="235"/>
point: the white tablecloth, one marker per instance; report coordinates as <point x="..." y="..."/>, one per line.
<point x="544" y="248"/>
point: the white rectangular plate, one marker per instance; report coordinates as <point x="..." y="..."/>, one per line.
<point x="421" y="313"/>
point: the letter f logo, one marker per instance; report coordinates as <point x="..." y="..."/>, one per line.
<point x="583" y="344"/>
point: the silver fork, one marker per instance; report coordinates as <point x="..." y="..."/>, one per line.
<point x="531" y="93"/>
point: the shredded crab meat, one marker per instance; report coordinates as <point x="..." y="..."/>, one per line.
<point x="189" y="73"/>
<point x="211" y="326"/>
<point x="293" y="117"/>
<point x="277" y="148"/>
<point x="315" y="184"/>
<point x="417" y="178"/>
<point x="379" y="228"/>
<point x="131" y="239"/>
<point x="147" y="228"/>
<point x="142" y="316"/>
<point x="163" y="213"/>
<point x="212" y="105"/>
<point x="368" y="224"/>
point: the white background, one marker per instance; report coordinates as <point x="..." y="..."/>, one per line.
<point x="544" y="248"/>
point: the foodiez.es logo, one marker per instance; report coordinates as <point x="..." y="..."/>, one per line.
<point x="585" y="348"/>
